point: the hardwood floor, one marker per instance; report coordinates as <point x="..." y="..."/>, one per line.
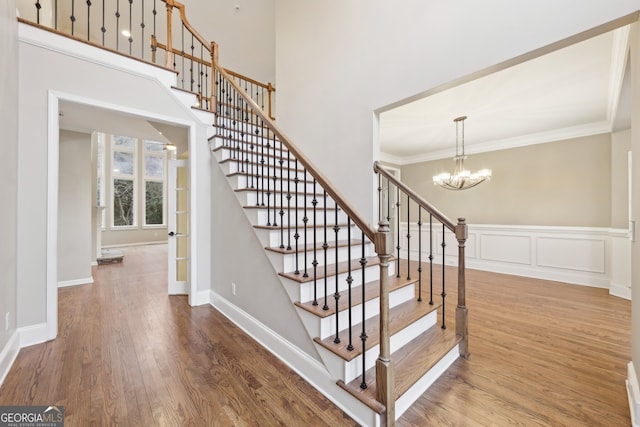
<point x="542" y="354"/>
<point x="129" y="355"/>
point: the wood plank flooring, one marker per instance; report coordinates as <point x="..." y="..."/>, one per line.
<point x="129" y="355"/>
<point x="542" y="354"/>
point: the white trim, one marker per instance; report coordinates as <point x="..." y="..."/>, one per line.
<point x="76" y="282"/>
<point x="633" y="392"/>
<point x="192" y="276"/>
<point x="311" y="370"/>
<point x="34" y="334"/>
<point x="8" y="355"/>
<point x="591" y="256"/>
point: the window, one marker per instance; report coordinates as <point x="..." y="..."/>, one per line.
<point x="123" y="173"/>
<point x="154" y="188"/>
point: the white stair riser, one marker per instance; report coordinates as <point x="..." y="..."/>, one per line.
<point x="260" y="216"/>
<point x="255" y="196"/>
<point x="255" y="154"/>
<point x="239" y="125"/>
<point x="233" y="166"/>
<point x="372" y="308"/>
<point x="287" y="262"/>
<point x="271" y="237"/>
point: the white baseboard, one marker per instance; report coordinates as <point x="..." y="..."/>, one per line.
<point x="76" y="282"/>
<point x="8" y="355"/>
<point x="304" y="365"/>
<point x="201" y="298"/>
<point x="33" y="334"/>
<point x="620" y="291"/>
<point x="633" y="391"/>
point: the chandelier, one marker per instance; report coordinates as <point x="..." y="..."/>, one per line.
<point x="461" y="179"/>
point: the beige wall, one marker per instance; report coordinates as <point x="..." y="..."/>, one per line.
<point x="565" y="183"/>
<point x="620" y="147"/>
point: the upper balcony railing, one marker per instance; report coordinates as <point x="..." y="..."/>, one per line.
<point x="147" y="30"/>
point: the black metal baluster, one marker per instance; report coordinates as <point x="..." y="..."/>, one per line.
<point x="192" y="80"/>
<point x="431" y="259"/>
<point x="419" y="253"/>
<point x="155" y="13"/>
<point x="275" y="179"/>
<point x="117" y="25"/>
<point x="305" y="220"/>
<point x="296" y="236"/>
<point x="379" y="197"/>
<point x="182" y="57"/>
<point x="363" y="335"/>
<point x="103" y="29"/>
<point x="314" y="202"/>
<point x="38" y="7"/>
<point x="261" y="139"/>
<point x="288" y="200"/>
<point x="336" y="295"/>
<point x="88" y="20"/>
<point x="349" y="283"/>
<point x="398" y="230"/>
<point x="444" y="325"/>
<point x="256" y="165"/>
<point x="130" y="27"/>
<point x="72" y="17"/>
<point x="408" y="239"/>
<point x="325" y="246"/>
<point x="142" y="27"/>
<point x="281" y="199"/>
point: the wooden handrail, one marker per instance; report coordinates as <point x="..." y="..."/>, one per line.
<point x="378" y="168"/>
<point x="324" y="182"/>
<point x="187" y="24"/>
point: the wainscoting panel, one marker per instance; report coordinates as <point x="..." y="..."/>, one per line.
<point x="587" y="256"/>
<point x="506" y="248"/>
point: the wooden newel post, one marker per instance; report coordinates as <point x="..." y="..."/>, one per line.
<point x="462" y="314"/>
<point x="384" y="365"/>
<point x="169" y="61"/>
<point x="214" y="63"/>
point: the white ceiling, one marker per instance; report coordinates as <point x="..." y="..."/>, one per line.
<point x="575" y="91"/>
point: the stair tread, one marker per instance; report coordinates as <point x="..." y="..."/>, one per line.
<point x="400" y="316"/>
<point x="410" y="363"/>
<point x="342" y="267"/>
<point x="318" y="246"/>
<point x="258" y="164"/>
<point x="301" y="226"/>
<point x="371" y="291"/>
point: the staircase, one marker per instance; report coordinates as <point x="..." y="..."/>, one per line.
<point x="330" y="269"/>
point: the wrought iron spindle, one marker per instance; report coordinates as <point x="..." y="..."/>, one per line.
<point x="325" y="246"/>
<point x="182" y="57"/>
<point x="130" y="27"/>
<point x="262" y="161"/>
<point x="296" y="236"/>
<point x="444" y="245"/>
<point x="192" y="80"/>
<point x="420" y="253"/>
<point x="398" y="230"/>
<point x="305" y="220"/>
<point x="349" y="283"/>
<point x="363" y="335"/>
<point x="154" y="13"/>
<point x="73" y="17"/>
<point x="142" y="27"/>
<point x="275" y="183"/>
<point x="254" y="155"/>
<point x="103" y="29"/>
<point x="281" y="199"/>
<point x="314" y="203"/>
<point x="379" y="197"/>
<point x="431" y="259"/>
<point x="38" y="7"/>
<point x="88" y="20"/>
<point x="336" y="295"/>
<point x="117" y="34"/>
<point x="288" y="201"/>
<point x="408" y="238"/>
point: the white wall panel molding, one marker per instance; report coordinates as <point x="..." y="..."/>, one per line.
<point x="592" y="256"/>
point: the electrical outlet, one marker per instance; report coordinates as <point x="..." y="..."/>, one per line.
<point x="233" y="288"/>
<point x="6" y="321"/>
